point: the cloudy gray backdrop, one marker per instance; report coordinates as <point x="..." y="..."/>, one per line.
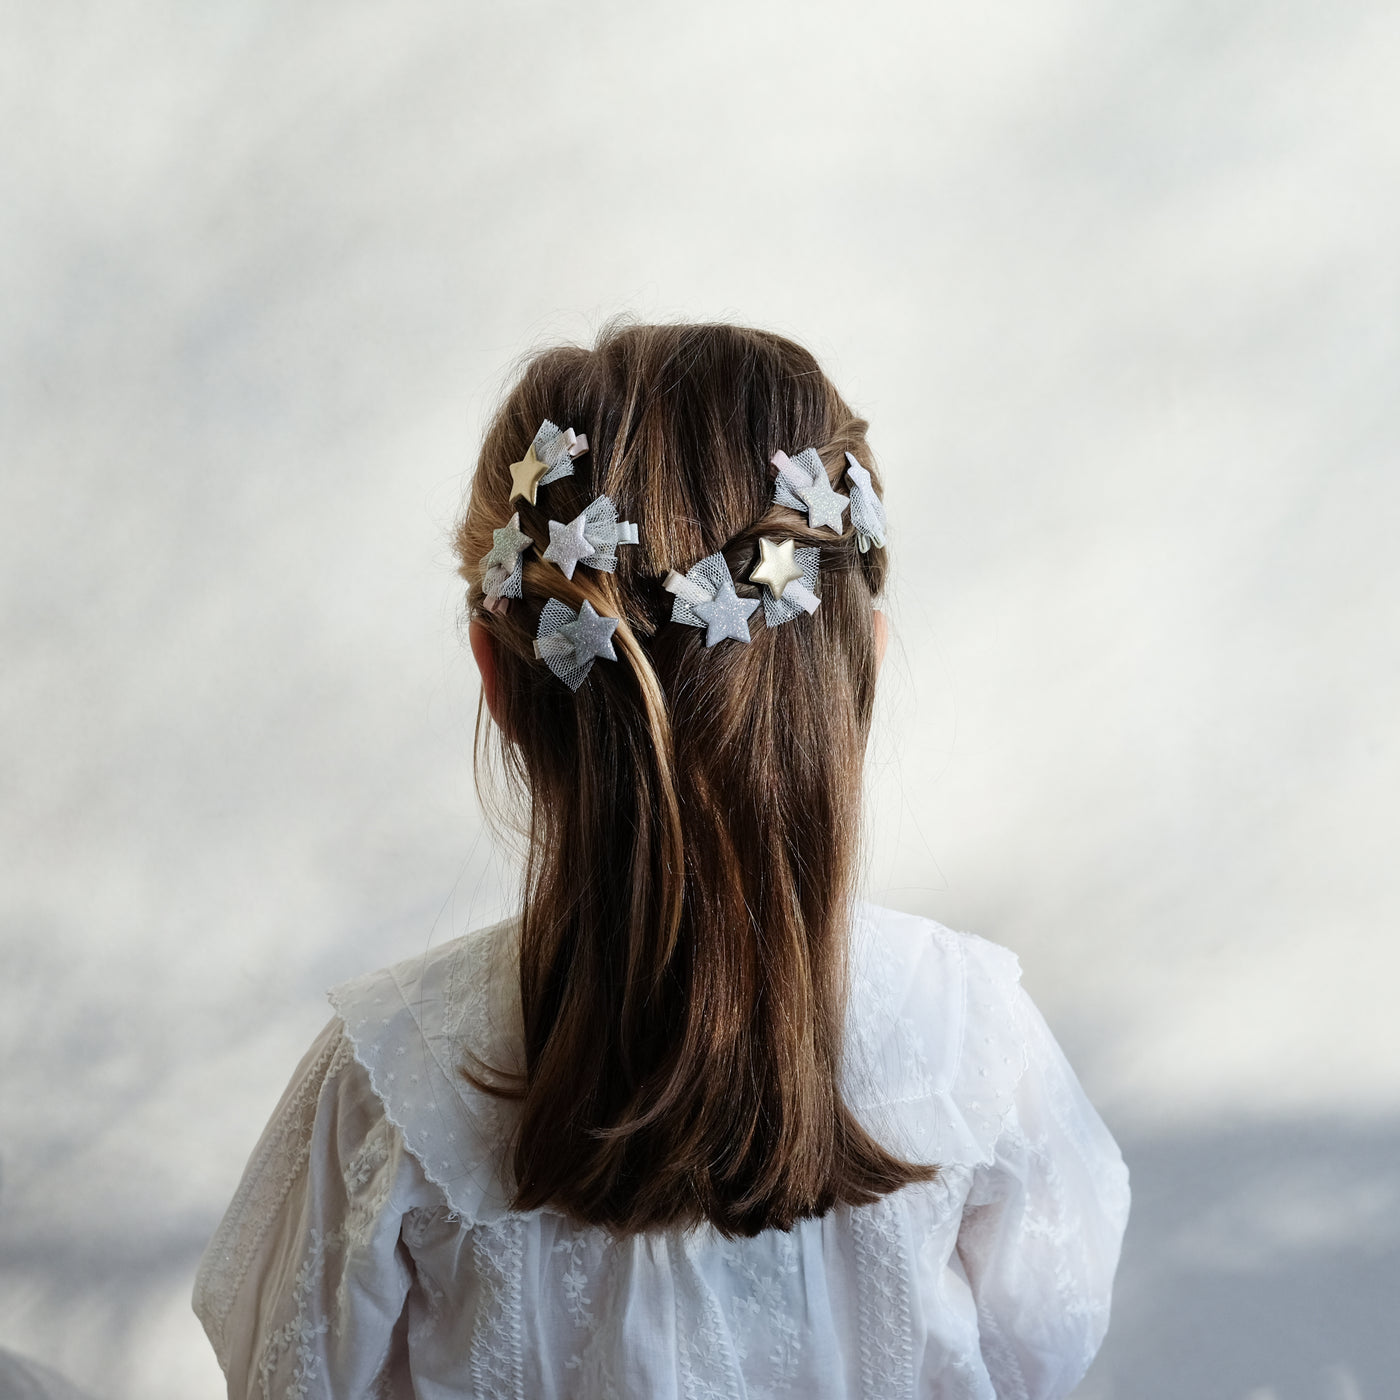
<point x="1116" y="284"/>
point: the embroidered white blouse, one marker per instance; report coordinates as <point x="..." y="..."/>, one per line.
<point x="370" y="1251"/>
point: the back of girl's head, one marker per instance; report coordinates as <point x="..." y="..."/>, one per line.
<point x="693" y="811"/>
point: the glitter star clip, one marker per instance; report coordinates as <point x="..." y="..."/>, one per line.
<point x="590" y="538"/>
<point x="802" y="485"/>
<point x="549" y="458"/>
<point x="789" y="577"/>
<point x="705" y="597"/>
<point x="501" y="580"/>
<point x="569" y="642"/>
<point x="867" y="509"/>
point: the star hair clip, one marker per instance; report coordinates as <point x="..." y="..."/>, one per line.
<point x="591" y="538"/>
<point x="705" y="597"/>
<point x="569" y="642"/>
<point x="789" y="577"/>
<point x="802" y="484"/>
<point x="549" y="458"/>
<point x="867" y="509"/>
<point x="501" y="573"/>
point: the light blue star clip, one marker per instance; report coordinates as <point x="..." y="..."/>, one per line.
<point x="568" y="642"/>
<point x="802" y="484"/>
<point x="705" y="597"/>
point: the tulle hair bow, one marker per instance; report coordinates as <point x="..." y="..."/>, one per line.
<point x="501" y="579"/>
<point x="591" y="538"/>
<point x="789" y="577"/>
<point x="704" y="596"/>
<point x="549" y="458"/>
<point x="867" y="509"/>
<point x="802" y="484"/>
<point x="557" y="448"/>
<point x="569" y="642"/>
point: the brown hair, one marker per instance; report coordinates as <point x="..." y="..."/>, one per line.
<point x="692" y="813"/>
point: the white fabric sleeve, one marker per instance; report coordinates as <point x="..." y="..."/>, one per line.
<point x="302" y="1289"/>
<point x="1042" y="1228"/>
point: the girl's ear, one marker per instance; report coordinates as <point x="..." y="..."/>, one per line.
<point x="484" y="654"/>
<point x="882" y="636"/>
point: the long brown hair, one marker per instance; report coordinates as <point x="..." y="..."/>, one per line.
<point x="692" y="813"/>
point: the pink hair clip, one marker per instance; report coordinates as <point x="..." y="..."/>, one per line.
<point x="867" y="509"/>
<point x="501" y="572"/>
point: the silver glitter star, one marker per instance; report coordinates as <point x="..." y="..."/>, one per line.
<point x="726" y="615"/>
<point x="568" y="544"/>
<point x="825" y="506"/>
<point x="590" y="635"/>
<point x="506" y="544"/>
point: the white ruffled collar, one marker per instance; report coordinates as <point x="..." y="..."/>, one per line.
<point x="934" y="1049"/>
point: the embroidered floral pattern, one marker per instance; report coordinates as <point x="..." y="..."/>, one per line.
<point x="707" y="1372"/>
<point x="767" y="1338"/>
<point x="578" y="1287"/>
<point x="497" y="1365"/>
<point x="299" y="1334"/>
<point x="884" y="1277"/>
<point x="277" y="1162"/>
<point x="574" y="1282"/>
<point x="371" y="1155"/>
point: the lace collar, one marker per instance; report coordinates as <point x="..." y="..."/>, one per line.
<point x="934" y="1048"/>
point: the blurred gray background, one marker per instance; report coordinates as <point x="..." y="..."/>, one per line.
<point x="1116" y="284"/>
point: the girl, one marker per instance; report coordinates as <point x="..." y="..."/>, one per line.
<point x="696" y="1123"/>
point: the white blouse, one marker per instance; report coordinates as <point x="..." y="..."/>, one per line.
<point x="370" y="1250"/>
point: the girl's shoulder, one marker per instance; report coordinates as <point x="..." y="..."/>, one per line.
<point x="416" y="1028"/>
<point x="935" y="1047"/>
<point x="936" y="1036"/>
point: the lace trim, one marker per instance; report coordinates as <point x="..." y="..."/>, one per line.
<point x="277" y="1163"/>
<point x="497" y="1361"/>
<point x="410" y="1028"/>
<point x="886" y="1316"/>
<point x="934" y="1052"/>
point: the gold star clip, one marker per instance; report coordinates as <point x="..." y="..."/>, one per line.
<point x="778" y="567"/>
<point x="525" y="476"/>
